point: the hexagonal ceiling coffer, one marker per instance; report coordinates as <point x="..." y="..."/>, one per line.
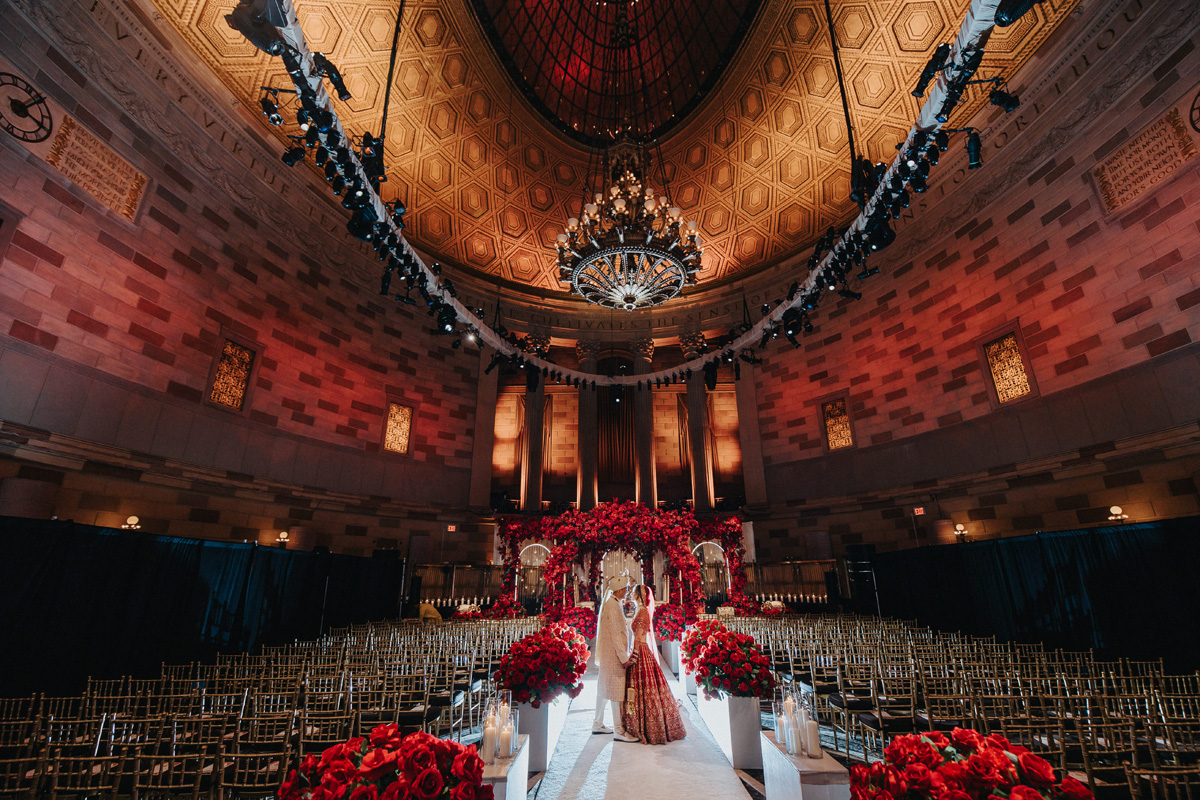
<point x="873" y="85"/>
<point x="918" y="26"/>
<point x="454" y="71"/>
<point x="777" y="68"/>
<point x="854" y="26"/>
<point x="802" y="26"/>
<point x="788" y="117"/>
<point x="430" y="27"/>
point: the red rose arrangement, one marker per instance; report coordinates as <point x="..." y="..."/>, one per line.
<point x="467" y="615"/>
<point x="773" y="610"/>
<point x="744" y="606"/>
<point x="504" y="608"/>
<point x="387" y="766"/>
<point x="962" y="766"/>
<point x="695" y="640"/>
<point x="543" y="665"/>
<point x="732" y="663"/>
<point x="581" y="619"/>
<point x="670" y="620"/>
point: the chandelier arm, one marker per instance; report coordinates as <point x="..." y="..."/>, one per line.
<point x="977" y="24"/>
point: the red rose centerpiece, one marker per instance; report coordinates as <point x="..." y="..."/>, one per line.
<point x="386" y="766"/>
<point x="543" y="665"/>
<point x="670" y="620"/>
<point x="962" y="766"/>
<point x="581" y="619"/>
<point x="504" y="608"/>
<point x="695" y="640"/>
<point x="731" y="663"/>
<point x="467" y="616"/>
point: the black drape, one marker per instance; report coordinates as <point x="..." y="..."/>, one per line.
<point x="1125" y="591"/>
<point x="77" y="600"/>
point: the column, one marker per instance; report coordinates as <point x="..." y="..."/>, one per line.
<point x="479" y="496"/>
<point x="588" y="352"/>
<point x="643" y="426"/>
<point x="697" y="407"/>
<point x="535" y="429"/>
<point x="753" y="476"/>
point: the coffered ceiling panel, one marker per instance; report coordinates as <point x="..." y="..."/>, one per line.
<point x="762" y="162"/>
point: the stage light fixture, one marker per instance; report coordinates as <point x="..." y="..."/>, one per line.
<point x="1009" y="11"/>
<point x="850" y="294"/>
<point x="323" y="119"/>
<point x="974" y="150"/>
<point x="361" y="224"/>
<point x="331" y="170"/>
<point x="324" y="68"/>
<point x="270" y="110"/>
<point x="866" y="273"/>
<point x="321" y="157"/>
<point x="337" y="184"/>
<point x="918" y="184"/>
<point x="1006" y="100"/>
<point x="293" y="156"/>
<point x="303" y="119"/>
<point x="942" y="140"/>
<point x="936" y="63"/>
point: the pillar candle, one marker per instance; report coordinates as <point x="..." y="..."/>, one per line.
<point x="506" y="741"/>
<point x="487" y="749"/>
<point x="795" y="746"/>
<point x="814" y="739"/>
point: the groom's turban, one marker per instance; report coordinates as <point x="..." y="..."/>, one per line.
<point x="618" y="583"/>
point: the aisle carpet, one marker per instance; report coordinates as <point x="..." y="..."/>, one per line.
<point x="588" y="767"/>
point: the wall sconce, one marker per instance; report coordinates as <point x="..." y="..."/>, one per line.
<point x="960" y="532"/>
<point x="1116" y="514"/>
<point x="132" y="523"/>
<point x="282" y="540"/>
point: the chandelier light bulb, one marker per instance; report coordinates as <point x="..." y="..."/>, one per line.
<point x="572" y="223"/>
<point x="590" y="209"/>
<point x="619" y="204"/>
<point x="562" y="238"/>
<point x="649" y="205"/>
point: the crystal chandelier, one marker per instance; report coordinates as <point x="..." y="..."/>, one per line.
<point x="630" y="249"/>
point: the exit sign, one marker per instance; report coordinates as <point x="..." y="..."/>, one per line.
<point x="919" y="511"/>
<point x="451" y="528"/>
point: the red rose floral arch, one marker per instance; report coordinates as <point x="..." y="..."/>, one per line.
<point x="627" y="527"/>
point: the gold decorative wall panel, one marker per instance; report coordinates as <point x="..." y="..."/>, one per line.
<point x="837" y="424"/>
<point x="1145" y="161"/>
<point x="232" y="376"/>
<point x="399" y="428"/>
<point x="762" y="163"/>
<point x="1007" y="368"/>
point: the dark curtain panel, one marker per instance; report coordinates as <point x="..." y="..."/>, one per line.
<point x="616" y="457"/>
<point x="78" y="601"/>
<point x="1126" y="591"/>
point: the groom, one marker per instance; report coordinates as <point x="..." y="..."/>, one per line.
<point x="613" y="644"/>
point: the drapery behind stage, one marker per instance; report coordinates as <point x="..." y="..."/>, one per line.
<point x="1127" y="591"/>
<point x="76" y="600"/>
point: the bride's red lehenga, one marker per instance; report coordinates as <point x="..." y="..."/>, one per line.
<point x="654" y="716"/>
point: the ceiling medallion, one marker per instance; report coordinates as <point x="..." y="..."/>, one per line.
<point x="629" y="250"/>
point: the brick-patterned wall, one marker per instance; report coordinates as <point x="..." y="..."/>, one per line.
<point x="1109" y="310"/>
<point x="506" y="455"/>
<point x="108" y="330"/>
<point x="725" y="443"/>
<point x="670" y="460"/>
<point x="561" y="461"/>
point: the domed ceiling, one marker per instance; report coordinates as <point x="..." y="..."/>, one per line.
<point x="596" y="68"/>
<point x="761" y="162"/>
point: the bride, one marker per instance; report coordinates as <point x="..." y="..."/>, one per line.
<point x="651" y="711"/>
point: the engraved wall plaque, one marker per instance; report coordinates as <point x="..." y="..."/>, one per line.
<point x="1144" y="161"/>
<point x="95" y="167"/>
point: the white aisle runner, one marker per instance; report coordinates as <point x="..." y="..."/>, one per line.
<point x="590" y="767"/>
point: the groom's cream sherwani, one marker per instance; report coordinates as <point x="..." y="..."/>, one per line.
<point x="614" y="638"/>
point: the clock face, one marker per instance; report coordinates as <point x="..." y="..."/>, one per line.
<point x="24" y="112"/>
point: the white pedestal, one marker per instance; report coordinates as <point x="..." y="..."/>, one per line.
<point x="688" y="680"/>
<point x="734" y="723"/>
<point x="543" y="726"/>
<point x="670" y="654"/>
<point x="509" y="777"/>
<point x="799" y="778"/>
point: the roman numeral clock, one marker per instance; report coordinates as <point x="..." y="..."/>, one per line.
<point x="24" y="112"/>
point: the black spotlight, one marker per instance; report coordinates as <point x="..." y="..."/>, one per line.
<point x="850" y="294"/>
<point x="918" y="184"/>
<point x="880" y="235"/>
<point x="1009" y="11"/>
<point x="974" y="150"/>
<point x="270" y="110"/>
<point x="1006" y="100"/>
<point x="323" y="119"/>
<point x="303" y="119"/>
<point x="323" y="67"/>
<point x="337" y="184"/>
<point x="331" y="170"/>
<point x="942" y="140"/>
<point x="361" y="224"/>
<point x="293" y="156"/>
<point x="935" y="64"/>
<point x="321" y="156"/>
